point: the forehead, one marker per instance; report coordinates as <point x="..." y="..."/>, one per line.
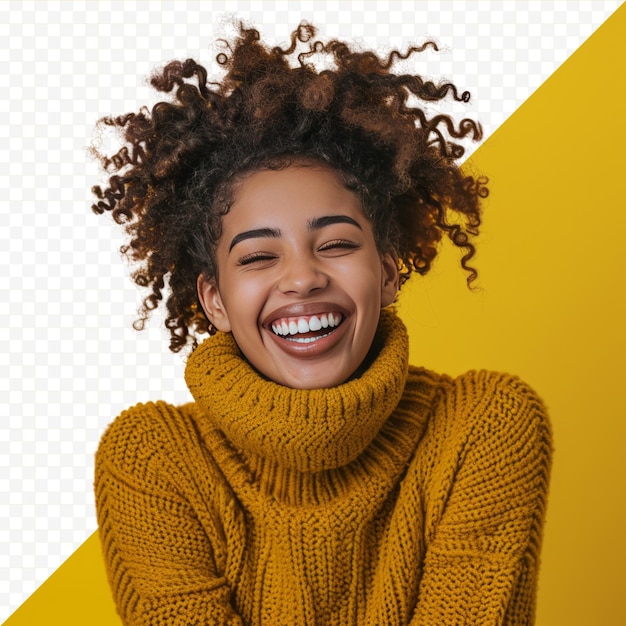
<point x="297" y="192"/>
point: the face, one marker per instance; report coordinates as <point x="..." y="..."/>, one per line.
<point x="300" y="279"/>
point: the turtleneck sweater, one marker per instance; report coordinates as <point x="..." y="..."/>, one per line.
<point x="401" y="497"/>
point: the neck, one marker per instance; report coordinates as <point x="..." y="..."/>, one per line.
<point x="295" y="429"/>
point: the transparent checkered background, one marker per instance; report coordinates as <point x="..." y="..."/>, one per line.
<point x="69" y="360"/>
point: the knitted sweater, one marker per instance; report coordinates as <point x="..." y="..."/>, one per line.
<point x="399" y="498"/>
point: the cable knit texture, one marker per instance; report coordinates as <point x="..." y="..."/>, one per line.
<point x="399" y="498"/>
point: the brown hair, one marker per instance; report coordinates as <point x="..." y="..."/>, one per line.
<point x="173" y="180"/>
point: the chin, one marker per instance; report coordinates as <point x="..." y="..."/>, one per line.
<point x="304" y="379"/>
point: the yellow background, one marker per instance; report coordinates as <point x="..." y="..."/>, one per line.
<point x="551" y="309"/>
<point x="552" y="265"/>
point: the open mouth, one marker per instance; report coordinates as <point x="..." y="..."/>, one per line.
<point x="307" y="328"/>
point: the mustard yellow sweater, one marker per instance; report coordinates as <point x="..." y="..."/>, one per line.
<point x="402" y="497"/>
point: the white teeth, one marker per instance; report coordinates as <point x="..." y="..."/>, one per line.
<point x="305" y="339"/>
<point x="315" y="324"/>
<point x="303" y="325"/>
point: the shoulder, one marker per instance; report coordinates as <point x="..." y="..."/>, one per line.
<point x="498" y="398"/>
<point x="501" y="422"/>
<point x="483" y="405"/>
<point x="145" y="437"/>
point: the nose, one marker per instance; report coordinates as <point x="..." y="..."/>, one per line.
<point x="302" y="276"/>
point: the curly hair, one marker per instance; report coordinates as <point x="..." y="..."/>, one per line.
<point x="175" y="176"/>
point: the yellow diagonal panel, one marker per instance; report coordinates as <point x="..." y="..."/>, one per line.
<point x="552" y="264"/>
<point x="77" y="594"/>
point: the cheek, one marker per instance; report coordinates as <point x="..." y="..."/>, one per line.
<point x="364" y="279"/>
<point x="244" y="298"/>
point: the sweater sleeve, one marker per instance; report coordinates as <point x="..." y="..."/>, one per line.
<point x="482" y="557"/>
<point x="163" y="561"/>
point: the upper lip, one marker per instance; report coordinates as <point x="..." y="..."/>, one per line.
<point x="303" y="310"/>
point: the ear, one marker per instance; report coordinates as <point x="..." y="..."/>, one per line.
<point x="390" y="280"/>
<point x="211" y="301"/>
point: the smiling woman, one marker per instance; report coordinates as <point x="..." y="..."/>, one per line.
<point x="317" y="478"/>
<point x="300" y="282"/>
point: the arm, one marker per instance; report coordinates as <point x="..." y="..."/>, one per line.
<point x="482" y="558"/>
<point x="163" y="555"/>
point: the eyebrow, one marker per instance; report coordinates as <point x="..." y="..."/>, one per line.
<point x="252" y="234"/>
<point x="320" y="222"/>
<point x="314" y="224"/>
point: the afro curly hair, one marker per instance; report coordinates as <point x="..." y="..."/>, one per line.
<point x="174" y="178"/>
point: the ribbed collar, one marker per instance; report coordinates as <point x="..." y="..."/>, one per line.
<point x="298" y="429"/>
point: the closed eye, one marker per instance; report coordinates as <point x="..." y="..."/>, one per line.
<point x="257" y="257"/>
<point x="339" y="244"/>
